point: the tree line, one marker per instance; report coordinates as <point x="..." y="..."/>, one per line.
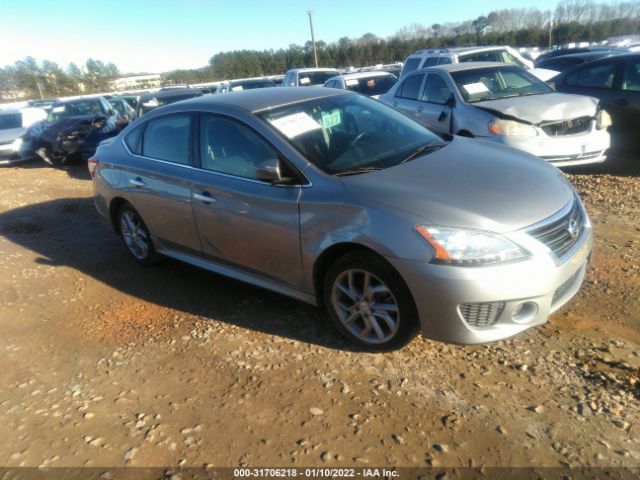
<point x="571" y="21"/>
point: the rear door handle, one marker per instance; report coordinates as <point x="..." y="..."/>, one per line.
<point x="623" y="102"/>
<point x="420" y="108"/>
<point x="204" y="197"/>
<point x="137" y="182"/>
<point x="395" y="104"/>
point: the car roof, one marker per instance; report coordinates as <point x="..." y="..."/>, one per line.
<point x="372" y="73"/>
<point x="455" y="67"/>
<point x="305" y="70"/>
<point x="458" y="50"/>
<point x="77" y="99"/>
<point x="589" y="54"/>
<point x="170" y="92"/>
<point x="264" y="98"/>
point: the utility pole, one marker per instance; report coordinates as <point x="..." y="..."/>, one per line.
<point x="550" y="28"/>
<point x="313" y="37"/>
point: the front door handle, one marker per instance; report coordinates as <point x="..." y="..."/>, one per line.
<point x="137" y="182"/>
<point x="204" y="197"/>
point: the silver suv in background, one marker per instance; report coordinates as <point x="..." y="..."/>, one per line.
<point x="444" y="56"/>
<point x="335" y="199"/>
<point x="505" y="104"/>
<point x="308" y="77"/>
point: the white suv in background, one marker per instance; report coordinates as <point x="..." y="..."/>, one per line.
<point x="308" y="77"/>
<point x="501" y="54"/>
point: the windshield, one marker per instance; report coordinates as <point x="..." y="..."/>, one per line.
<point x="371" y="85"/>
<point x="492" y="83"/>
<point x="81" y="107"/>
<point x="309" y="79"/>
<point x="346" y="132"/>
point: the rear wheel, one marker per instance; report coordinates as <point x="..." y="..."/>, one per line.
<point x="369" y="302"/>
<point x="136" y="236"/>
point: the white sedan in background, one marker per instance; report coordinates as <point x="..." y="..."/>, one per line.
<point x="18" y="130"/>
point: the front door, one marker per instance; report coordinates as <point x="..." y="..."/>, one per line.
<point x="436" y="111"/>
<point x="242" y="221"/>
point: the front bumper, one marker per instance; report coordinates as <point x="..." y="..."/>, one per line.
<point x="563" y="151"/>
<point x="542" y="283"/>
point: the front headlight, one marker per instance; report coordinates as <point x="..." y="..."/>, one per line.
<point x="511" y="128"/>
<point x="603" y="120"/>
<point x="462" y="247"/>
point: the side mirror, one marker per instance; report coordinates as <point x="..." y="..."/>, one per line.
<point x="451" y="101"/>
<point x="272" y="171"/>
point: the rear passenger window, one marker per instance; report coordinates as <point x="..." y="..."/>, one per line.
<point x="594" y="76"/>
<point x="431" y="61"/>
<point x="410" y="89"/>
<point x="167" y="138"/>
<point x="444" y="60"/>
<point x="132" y="139"/>
<point x="229" y="147"/>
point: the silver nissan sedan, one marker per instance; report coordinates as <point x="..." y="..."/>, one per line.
<point x="337" y="200"/>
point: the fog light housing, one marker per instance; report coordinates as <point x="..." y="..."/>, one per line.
<point x="523" y="312"/>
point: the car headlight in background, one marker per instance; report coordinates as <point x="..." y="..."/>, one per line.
<point x="603" y="120"/>
<point x="462" y="247"/>
<point x="511" y="128"/>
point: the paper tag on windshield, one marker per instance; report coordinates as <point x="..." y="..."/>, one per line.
<point x="304" y="81"/>
<point x="473" y="88"/>
<point x="331" y="119"/>
<point x="296" y="124"/>
<point x="237" y="89"/>
<point x="351" y="82"/>
<point x="58" y="109"/>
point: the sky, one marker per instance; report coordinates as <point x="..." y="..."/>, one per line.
<point x="162" y="35"/>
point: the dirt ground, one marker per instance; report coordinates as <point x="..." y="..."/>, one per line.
<point x="109" y="364"/>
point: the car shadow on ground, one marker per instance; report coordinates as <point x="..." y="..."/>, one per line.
<point x="67" y="232"/>
<point x="76" y="170"/>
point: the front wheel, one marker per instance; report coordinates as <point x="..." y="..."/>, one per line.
<point x="136" y="236"/>
<point x="369" y="302"/>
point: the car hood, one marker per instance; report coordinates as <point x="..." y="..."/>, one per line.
<point x="52" y="129"/>
<point x="535" y="109"/>
<point x="469" y="183"/>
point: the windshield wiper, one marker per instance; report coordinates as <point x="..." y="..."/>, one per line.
<point x="356" y="171"/>
<point x="426" y="148"/>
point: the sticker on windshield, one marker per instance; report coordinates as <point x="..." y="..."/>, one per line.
<point x="296" y="124"/>
<point x="473" y="88"/>
<point x="351" y="82"/>
<point x="331" y="119"/>
<point x="58" y="109"/>
<point x="237" y="89"/>
<point x="304" y="81"/>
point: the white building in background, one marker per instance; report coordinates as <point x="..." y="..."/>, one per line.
<point x="137" y="82"/>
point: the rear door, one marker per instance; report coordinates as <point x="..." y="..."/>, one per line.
<point x="436" y="110"/>
<point x="243" y="221"/>
<point x="159" y="180"/>
<point x="407" y="97"/>
<point x="628" y="101"/>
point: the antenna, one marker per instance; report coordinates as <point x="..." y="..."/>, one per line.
<point x="313" y="37"/>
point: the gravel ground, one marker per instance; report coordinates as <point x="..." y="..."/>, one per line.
<point x="110" y="364"/>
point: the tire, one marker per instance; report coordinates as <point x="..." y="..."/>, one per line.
<point x="135" y="236"/>
<point x="353" y="310"/>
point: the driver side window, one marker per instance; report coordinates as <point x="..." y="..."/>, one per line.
<point x="228" y="147"/>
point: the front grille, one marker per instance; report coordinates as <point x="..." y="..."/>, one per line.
<point x="481" y="314"/>
<point x="573" y="126"/>
<point x="561" y="234"/>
